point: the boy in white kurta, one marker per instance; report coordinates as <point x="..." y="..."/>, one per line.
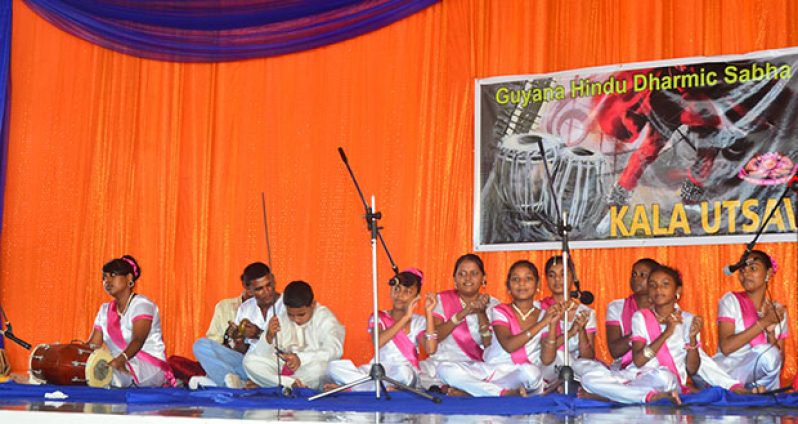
<point x="401" y="333"/>
<point x="310" y="336"/>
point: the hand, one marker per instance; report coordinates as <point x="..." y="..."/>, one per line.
<point x="569" y="306"/>
<point x="773" y="315"/>
<point x="580" y="321"/>
<point x="118" y="364"/>
<point x="554" y="313"/>
<point x="232" y="330"/>
<point x="251" y="331"/>
<point x="695" y="326"/>
<point x="411" y="307"/>
<point x="430" y="303"/>
<point x="273" y="328"/>
<point x="672" y="321"/>
<point x="291" y="361"/>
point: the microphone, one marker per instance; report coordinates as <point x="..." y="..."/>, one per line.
<point x="585" y="297"/>
<point x="731" y="269"/>
<point x="8" y="334"/>
<point x="343" y="155"/>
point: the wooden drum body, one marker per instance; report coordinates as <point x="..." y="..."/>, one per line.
<point x="71" y="364"/>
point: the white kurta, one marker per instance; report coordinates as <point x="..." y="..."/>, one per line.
<point x="251" y="311"/>
<point x="396" y="364"/>
<point x="148" y="367"/>
<point x="757" y="362"/>
<point x="316" y="343"/>
<point x="579" y="365"/>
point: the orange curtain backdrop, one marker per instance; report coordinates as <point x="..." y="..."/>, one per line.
<point x="111" y="154"/>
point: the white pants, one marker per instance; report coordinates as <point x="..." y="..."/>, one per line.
<point x="345" y="371"/>
<point x="761" y="365"/>
<point x="629" y="385"/>
<point x="144" y="374"/>
<point x="260" y="364"/>
<point x="481" y="379"/>
<point x="580" y="366"/>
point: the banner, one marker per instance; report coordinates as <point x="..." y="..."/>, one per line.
<point x="687" y="151"/>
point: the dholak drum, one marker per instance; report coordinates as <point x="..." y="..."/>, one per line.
<point x="71" y="364"/>
<point x="520" y="173"/>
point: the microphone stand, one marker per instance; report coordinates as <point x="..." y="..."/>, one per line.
<point x="377" y="372"/>
<point x="566" y="374"/>
<point x="9" y="334"/>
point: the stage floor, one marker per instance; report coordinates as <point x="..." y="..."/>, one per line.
<point x="89" y="413"/>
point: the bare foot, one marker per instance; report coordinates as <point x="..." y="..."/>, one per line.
<point x="584" y="394"/>
<point x="298" y="384"/>
<point x="514" y="392"/>
<point x="251" y="385"/>
<point x="330" y="386"/>
<point x="453" y="391"/>
<point x="740" y="390"/>
<point x="673" y="395"/>
<point x="21" y="379"/>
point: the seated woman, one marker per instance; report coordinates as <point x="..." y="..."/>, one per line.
<point x="666" y="350"/>
<point x="130" y="326"/>
<point x="752" y="327"/>
<point x="620" y="311"/>
<point x="400" y="335"/>
<point x="463" y="328"/>
<point x="581" y="326"/>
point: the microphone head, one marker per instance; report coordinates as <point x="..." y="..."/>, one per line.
<point x="727" y="271"/>
<point x="586" y="297"/>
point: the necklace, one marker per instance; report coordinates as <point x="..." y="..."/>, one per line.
<point x="122" y="312"/>
<point x="526" y="315"/>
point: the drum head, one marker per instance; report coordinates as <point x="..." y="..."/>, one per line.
<point x="528" y="143"/>
<point x="36" y="354"/>
<point x="98" y="371"/>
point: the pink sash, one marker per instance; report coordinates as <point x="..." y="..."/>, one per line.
<point x="545" y="303"/>
<point x="402" y="342"/>
<point x="115" y="333"/>
<point x="750" y="316"/>
<point x="519" y="356"/>
<point x="450" y="302"/>
<point x="629" y="309"/>
<point x="664" y="354"/>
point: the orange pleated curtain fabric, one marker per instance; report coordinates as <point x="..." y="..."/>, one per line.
<point x="112" y="154"/>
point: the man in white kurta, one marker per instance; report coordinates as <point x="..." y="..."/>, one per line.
<point x="315" y="342"/>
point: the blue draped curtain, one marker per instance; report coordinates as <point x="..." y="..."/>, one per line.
<point x="220" y="30"/>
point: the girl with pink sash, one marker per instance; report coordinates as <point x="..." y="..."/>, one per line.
<point x="462" y="328"/>
<point x="130" y="327"/>
<point x="581" y="327"/>
<point x="666" y="349"/>
<point x="400" y="335"/>
<point x="752" y="327"/>
<point x="618" y="321"/>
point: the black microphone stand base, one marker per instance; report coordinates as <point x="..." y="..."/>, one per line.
<point x="377" y="375"/>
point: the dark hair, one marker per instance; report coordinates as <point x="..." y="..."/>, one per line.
<point x="407" y="279"/>
<point x="468" y="257"/>
<point x="520" y="263"/>
<point x="557" y="259"/>
<point x="123" y="266"/>
<point x="254" y="271"/>
<point x="764" y="257"/>
<point x="672" y="272"/>
<point x="647" y="262"/>
<point x="297" y="294"/>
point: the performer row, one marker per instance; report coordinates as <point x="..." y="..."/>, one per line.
<point x="476" y="345"/>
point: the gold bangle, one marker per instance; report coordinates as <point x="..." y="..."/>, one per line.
<point x="454" y="320"/>
<point x="125" y="356"/>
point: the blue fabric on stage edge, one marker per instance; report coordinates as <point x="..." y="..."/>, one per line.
<point x="212" y="31"/>
<point x="365" y="401"/>
<point x="5" y="67"/>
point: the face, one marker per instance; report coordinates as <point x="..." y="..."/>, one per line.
<point x="638" y="281"/>
<point x="403" y="295"/>
<point x="523" y="283"/>
<point x="468" y="278"/>
<point x="754" y="274"/>
<point x="115" y="284"/>
<point x="302" y="314"/>
<point x="662" y="288"/>
<point x="554" y="278"/>
<point x="263" y="290"/>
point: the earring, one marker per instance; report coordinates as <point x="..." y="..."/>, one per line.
<point x="130" y="283"/>
<point x="678" y="295"/>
